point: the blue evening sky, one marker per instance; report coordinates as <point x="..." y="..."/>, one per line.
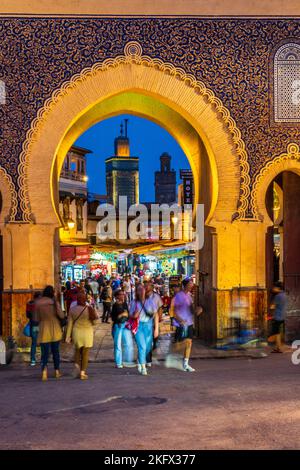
<point x="147" y="141"/>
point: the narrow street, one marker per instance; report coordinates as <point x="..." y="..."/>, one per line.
<point x="226" y="404"/>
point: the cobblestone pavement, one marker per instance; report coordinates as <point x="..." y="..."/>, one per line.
<point x="237" y="403"/>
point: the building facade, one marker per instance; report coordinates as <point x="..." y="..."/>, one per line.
<point x="225" y="86"/>
<point x="73" y="196"/>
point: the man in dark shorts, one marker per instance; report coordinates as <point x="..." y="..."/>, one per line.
<point x="184" y="315"/>
<point x="278" y="308"/>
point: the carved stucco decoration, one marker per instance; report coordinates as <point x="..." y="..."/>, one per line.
<point x="133" y="54"/>
<point x="9" y="191"/>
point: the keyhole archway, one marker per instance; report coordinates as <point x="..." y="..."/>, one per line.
<point x="190" y="112"/>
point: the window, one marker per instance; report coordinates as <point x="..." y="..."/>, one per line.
<point x="73" y="165"/>
<point x="66" y="209"/>
<point x="287" y="83"/>
<point x="79" y="215"/>
<point x="66" y="165"/>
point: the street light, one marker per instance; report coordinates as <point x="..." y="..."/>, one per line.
<point x="174" y="220"/>
<point x="71" y="224"/>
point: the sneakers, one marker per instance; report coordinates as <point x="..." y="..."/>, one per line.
<point x="33" y="363"/>
<point x="142" y="369"/>
<point x="119" y="366"/>
<point x="188" y="368"/>
<point x="58" y="374"/>
<point x="44" y="375"/>
<point x="83" y="375"/>
<point x="149" y="364"/>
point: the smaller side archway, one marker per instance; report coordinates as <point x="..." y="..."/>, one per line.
<point x="276" y="195"/>
<point x="286" y="161"/>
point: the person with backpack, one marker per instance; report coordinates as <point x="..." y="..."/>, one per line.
<point x="49" y="316"/>
<point x="80" y="330"/>
<point x="106" y="297"/>
<point x="34" y="325"/>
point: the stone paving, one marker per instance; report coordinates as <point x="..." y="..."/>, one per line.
<point x="103" y="347"/>
<point x="239" y="403"/>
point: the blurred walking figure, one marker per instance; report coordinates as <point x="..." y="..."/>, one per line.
<point x="82" y="318"/>
<point x="34" y="325"/>
<point x="153" y="306"/>
<point x="95" y="288"/>
<point x="48" y="316"/>
<point x="278" y="309"/>
<point x="122" y="336"/>
<point x="184" y="315"/>
<point x="127" y="288"/>
<point x="106" y="296"/>
<point x="142" y="312"/>
<point x="174" y="323"/>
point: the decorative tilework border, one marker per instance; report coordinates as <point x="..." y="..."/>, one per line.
<point x="133" y="54"/>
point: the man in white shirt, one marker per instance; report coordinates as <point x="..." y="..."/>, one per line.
<point x="127" y="289"/>
<point x="95" y="289"/>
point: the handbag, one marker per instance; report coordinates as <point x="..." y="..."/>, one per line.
<point x="62" y="321"/>
<point x="27" y="330"/>
<point x="133" y="323"/>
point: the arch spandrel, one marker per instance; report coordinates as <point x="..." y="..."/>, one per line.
<point x="9" y="199"/>
<point x="165" y="83"/>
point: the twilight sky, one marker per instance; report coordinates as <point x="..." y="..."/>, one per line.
<point x="147" y="141"/>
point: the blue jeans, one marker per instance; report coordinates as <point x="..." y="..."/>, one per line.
<point x="34" y="331"/>
<point x="144" y="340"/>
<point x="45" y="349"/>
<point x="122" y="338"/>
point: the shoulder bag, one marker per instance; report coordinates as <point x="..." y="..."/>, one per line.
<point x="62" y="321"/>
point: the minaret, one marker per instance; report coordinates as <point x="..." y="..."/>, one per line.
<point x="122" y="147"/>
<point x="165" y="181"/>
<point x="122" y="171"/>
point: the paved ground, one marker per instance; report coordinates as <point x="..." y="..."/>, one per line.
<point x="103" y="347"/>
<point x="226" y="404"/>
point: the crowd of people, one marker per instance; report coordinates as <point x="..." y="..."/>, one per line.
<point x="134" y="306"/>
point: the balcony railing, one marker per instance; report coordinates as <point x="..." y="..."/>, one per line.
<point x="73" y="175"/>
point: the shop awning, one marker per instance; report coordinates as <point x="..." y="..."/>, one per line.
<point x="67" y="253"/>
<point x="82" y="254"/>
